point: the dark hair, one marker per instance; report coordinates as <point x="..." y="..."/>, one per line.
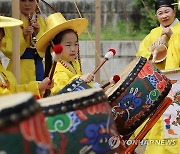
<point x="2" y="31"/>
<point x="161" y="3"/>
<point x="58" y="38"/>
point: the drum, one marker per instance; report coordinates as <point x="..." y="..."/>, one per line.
<point x="141" y="89"/>
<point x="75" y="85"/>
<point x="22" y="126"/>
<point x="80" y="122"/>
<point x="174" y="75"/>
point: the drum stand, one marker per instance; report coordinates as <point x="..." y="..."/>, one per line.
<point x="152" y="120"/>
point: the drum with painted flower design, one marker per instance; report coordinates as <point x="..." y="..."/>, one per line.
<point x="141" y="89"/>
<point x="80" y="122"/>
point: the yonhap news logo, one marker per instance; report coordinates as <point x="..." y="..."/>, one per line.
<point x="114" y="142"/>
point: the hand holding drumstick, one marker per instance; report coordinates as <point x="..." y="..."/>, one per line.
<point x="57" y="50"/>
<point x="112" y="81"/>
<point x="159" y="48"/>
<point x="90" y="76"/>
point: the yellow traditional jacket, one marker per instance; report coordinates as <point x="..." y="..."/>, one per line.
<point x="8" y="84"/>
<point x="64" y="74"/>
<point x="173" y="54"/>
<point x="27" y="66"/>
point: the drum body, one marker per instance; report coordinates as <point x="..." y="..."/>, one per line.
<point x="141" y="89"/>
<point x="174" y="75"/>
<point x="22" y="126"/>
<point x="74" y="85"/>
<point x="80" y="122"/>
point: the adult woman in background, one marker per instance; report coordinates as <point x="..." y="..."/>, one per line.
<point x="8" y="83"/>
<point x="31" y="63"/>
<point x="170" y="27"/>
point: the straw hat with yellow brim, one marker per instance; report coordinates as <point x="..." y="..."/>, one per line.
<point x="55" y="24"/>
<point x="9" y="22"/>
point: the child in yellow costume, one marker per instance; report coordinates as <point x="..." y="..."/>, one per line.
<point x="65" y="32"/>
<point x="31" y="63"/>
<point x="8" y="83"/>
<point x="170" y="26"/>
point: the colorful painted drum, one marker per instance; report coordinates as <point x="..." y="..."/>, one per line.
<point x="141" y="89"/>
<point x="80" y="122"/>
<point x="74" y="85"/>
<point x="22" y="126"/>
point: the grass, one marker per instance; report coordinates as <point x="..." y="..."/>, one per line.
<point x="119" y="32"/>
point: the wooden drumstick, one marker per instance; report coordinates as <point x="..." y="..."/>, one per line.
<point x="113" y="80"/>
<point x="57" y="50"/>
<point x="107" y="56"/>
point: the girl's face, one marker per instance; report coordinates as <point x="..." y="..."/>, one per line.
<point x="70" y="46"/>
<point x="27" y="6"/>
<point x="165" y="16"/>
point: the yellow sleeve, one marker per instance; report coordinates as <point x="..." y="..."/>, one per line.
<point x="144" y="47"/>
<point x="61" y="79"/>
<point x="30" y="87"/>
<point x="173" y="54"/>
<point x="7" y="43"/>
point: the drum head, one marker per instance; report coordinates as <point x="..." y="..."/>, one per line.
<point x="17" y="107"/>
<point x="123" y="75"/>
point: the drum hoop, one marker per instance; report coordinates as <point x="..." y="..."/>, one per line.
<point x="71" y="87"/>
<point x="18" y="113"/>
<point x="132" y="75"/>
<point x="72" y="105"/>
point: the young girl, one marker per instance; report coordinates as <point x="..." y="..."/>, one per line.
<point x="61" y="31"/>
<point x="8" y="83"/>
<point x="31" y="64"/>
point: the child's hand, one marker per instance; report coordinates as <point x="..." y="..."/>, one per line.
<point x="87" y="77"/>
<point x="46" y="84"/>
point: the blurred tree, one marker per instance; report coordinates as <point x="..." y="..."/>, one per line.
<point x="146" y="10"/>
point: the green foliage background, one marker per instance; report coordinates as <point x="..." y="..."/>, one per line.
<point x="142" y="21"/>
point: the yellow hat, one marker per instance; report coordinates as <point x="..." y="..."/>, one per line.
<point x="9" y="22"/>
<point x="56" y="23"/>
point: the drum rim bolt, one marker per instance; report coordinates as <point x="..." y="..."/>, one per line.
<point x="100" y="98"/>
<point x="14" y="117"/>
<point x="74" y="85"/>
<point x="85" y="102"/>
<point x="32" y="108"/>
<point x="51" y="111"/>
<point x="75" y="106"/>
<point x="25" y="113"/>
<point x="69" y="89"/>
<point x="140" y="66"/>
<point x="37" y="106"/>
<point x="63" y="108"/>
<point x="131" y="79"/>
<point x="93" y="100"/>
